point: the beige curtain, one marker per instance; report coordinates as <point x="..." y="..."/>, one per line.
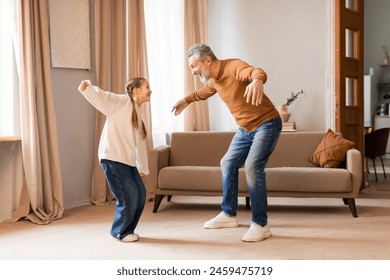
<point x="120" y="54"/>
<point x="109" y="47"/>
<point x="137" y="61"/>
<point x="195" y="31"/>
<point x="41" y="199"/>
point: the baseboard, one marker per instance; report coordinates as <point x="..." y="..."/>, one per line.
<point x="77" y="204"/>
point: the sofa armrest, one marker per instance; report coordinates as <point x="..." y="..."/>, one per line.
<point x="354" y="165"/>
<point x="158" y="159"/>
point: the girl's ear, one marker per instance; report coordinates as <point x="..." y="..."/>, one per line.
<point x="136" y="91"/>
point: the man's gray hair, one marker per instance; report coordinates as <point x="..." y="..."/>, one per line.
<point x="200" y="51"/>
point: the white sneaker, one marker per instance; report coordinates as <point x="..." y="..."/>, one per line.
<point x="222" y="220"/>
<point x="257" y="233"/>
<point x="130" y="238"/>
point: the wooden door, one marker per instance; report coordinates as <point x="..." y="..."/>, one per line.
<point x="349" y="77"/>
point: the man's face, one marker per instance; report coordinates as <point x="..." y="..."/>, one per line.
<point x="201" y="68"/>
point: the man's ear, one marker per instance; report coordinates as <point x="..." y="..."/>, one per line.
<point x="207" y="59"/>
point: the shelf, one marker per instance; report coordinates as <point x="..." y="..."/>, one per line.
<point x="10" y="138"/>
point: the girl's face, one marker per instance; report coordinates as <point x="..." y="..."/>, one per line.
<point x="142" y="94"/>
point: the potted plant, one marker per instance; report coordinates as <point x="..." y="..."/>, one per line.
<point x="283" y="109"/>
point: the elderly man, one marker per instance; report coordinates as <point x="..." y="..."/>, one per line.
<point x="240" y="86"/>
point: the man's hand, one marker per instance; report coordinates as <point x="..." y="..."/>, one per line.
<point x="179" y="106"/>
<point x="254" y="92"/>
<point x="84" y="84"/>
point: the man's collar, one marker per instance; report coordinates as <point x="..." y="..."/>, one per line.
<point x="215" y="67"/>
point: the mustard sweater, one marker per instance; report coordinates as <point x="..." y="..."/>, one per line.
<point x="233" y="77"/>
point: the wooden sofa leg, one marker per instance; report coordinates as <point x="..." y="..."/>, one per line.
<point x="169" y="197"/>
<point x="247" y="203"/>
<point x="157" y="202"/>
<point x="351" y="203"/>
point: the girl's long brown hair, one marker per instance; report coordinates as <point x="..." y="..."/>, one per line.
<point x="130" y="85"/>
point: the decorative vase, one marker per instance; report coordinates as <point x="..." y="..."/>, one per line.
<point x="284" y="113"/>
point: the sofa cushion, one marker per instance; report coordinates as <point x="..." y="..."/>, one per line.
<point x="199" y="148"/>
<point x="332" y="150"/>
<point x="294" y="149"/>
<point x="192" y="178"/>
<point x="308" y="179"/>
<point x="289" y="179"/>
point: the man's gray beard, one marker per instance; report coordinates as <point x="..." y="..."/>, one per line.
<point x="205" y="77"/>
<point x="204" y="80"/>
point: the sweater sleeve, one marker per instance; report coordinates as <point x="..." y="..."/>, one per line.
<point x="245" y="72"/>
<point x="202" y="94"/>
<point x="104" y="101"/>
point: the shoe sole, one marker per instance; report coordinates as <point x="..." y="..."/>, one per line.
<point x="222" y="225"/>
<point x="128" y="240"/>
<point x="265" y="236"/>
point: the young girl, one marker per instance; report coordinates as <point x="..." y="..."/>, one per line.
<point x="122" y="151"/>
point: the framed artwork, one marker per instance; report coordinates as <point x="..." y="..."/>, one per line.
<point x="70" y="34"/>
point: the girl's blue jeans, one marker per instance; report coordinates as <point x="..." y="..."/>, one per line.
<point x="252" y="149"/>
<point x="127" y="187"/>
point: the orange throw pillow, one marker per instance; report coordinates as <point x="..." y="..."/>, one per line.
<point x="332" y="150"/>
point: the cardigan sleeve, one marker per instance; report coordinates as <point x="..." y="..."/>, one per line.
<point x="104" y="101"/>
<point x="142" y="157"/>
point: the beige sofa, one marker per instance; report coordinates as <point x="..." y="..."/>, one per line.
<point x="190" y="165"/>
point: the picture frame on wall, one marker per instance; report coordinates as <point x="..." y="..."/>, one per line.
<point x="70" y="34"/>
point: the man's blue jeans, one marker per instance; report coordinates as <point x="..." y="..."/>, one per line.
<point x="253" y="149"/>
<point x="127" y="187"/>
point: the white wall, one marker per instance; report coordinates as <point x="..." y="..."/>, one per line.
<point x="285" y="38"/>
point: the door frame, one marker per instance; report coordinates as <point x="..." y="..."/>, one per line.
<point x="333" y="81"/>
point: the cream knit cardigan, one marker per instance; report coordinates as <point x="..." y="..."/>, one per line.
<point x="119" y="141"/>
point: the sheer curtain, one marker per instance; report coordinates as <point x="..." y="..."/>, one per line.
<point x="183" y="24"/>
<point x="11" y="170"/>
<point x="165" y="45"/>
<point x="9" y="94"/>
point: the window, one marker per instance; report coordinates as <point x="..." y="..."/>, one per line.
<point x="166" y="62"/>
<point x="9" y="96"/>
